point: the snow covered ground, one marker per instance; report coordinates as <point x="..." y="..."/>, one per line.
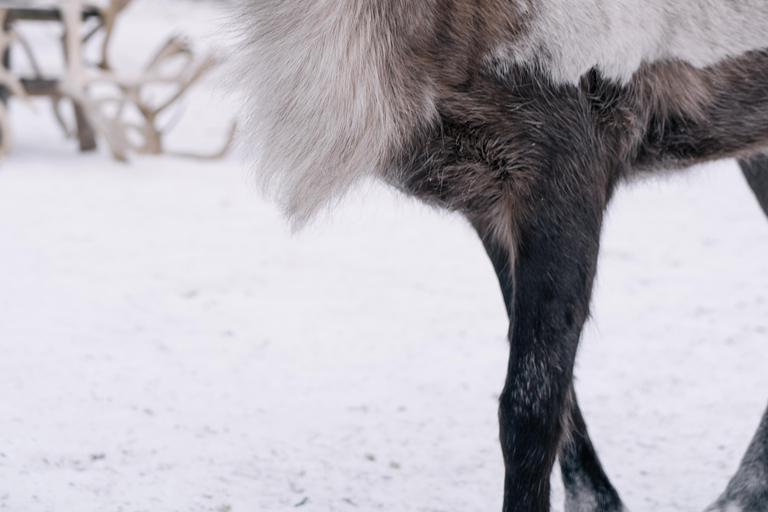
<point x="167" y="345"/>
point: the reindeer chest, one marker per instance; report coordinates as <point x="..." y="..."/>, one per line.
<point x="510" y="140"/>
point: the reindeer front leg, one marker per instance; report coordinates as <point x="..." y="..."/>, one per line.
<point x="587" y="487"/>
<point x="548" y="286"/>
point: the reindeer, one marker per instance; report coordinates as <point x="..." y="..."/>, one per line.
<point x="523" y="116"/>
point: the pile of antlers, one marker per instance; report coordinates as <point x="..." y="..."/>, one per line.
<point x="105" y="103"/>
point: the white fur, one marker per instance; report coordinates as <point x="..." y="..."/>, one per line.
<point x="322" y="112"/>
<point x="569" y="37"/>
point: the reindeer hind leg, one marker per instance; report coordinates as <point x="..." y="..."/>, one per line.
<point x="755" y="170"/>
<point x="748" y="489"/>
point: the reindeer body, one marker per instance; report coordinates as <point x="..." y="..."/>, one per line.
<point x="523" y="115"/>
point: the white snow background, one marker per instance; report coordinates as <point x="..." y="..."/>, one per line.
<point x="167" y="345"/>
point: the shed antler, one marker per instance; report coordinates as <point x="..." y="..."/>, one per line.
<point x="125" y="116"/>
<point x="110" y="115"/>
<point x="11" y="83"/>
<point x="132" y="92"/>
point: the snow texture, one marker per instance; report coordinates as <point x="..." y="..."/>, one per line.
<point x="167" y="345"/>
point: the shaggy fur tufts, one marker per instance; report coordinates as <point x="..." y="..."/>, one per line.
<point x="336" y="88"/>
<point x="324" y="109"/>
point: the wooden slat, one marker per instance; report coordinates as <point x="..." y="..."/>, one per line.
<point x="50" y="14"/>
<point x="85" y="135"/>
<point x="40" y="87"/>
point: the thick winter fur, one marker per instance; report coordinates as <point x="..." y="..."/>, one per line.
<point x="522" y="115"/>
<point x="335" y="86"/>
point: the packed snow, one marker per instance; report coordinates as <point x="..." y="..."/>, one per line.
<point x="166" y="344"/>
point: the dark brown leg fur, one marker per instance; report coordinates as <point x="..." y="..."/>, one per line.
<point x="549" y="304"/>
<point x="587" y="487"/>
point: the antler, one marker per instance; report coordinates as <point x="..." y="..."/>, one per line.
<point x="108" y="15"/>
<point x="110" y="116"/>
<point x="115" y="128"/>
<point x="10" y="82"/>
